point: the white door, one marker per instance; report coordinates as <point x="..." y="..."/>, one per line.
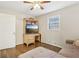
<point x="7" y="31"/>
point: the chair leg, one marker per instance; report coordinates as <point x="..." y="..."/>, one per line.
<point x="34" y="44"/>
<point x="27" y="45"/>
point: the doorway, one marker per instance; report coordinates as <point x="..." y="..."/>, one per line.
<point x="7" y="31"/>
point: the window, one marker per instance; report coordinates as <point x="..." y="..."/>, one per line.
<point x="53" y="23"/>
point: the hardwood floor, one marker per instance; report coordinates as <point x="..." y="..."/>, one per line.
<point x="14" y="52"/>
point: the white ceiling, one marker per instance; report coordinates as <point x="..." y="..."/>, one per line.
<point x="21" y="7"/>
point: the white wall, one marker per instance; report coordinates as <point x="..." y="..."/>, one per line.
<point x="19" y="23"/>
<point x="19" y="30"/>
<point x="69" y="29"/>
<point x="69" y="24"/>
<point x="49" y="37"/>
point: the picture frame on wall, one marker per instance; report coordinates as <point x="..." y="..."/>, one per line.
<point x="54" y="23"/>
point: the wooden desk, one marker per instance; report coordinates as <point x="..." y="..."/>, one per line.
<point x="31" y="38"/>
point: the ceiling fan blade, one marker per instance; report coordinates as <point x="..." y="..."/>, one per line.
<point x="41" y="7"/>
<point x="45" y="2"/>
<point x="32" y="8"/>
<point x="28" y="2"/>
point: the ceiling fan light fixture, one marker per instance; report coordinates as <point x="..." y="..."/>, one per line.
<point x="36" y="6"/>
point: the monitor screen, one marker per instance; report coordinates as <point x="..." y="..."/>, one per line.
<point x="31" y="28"/>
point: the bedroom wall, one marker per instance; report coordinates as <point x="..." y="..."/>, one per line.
<point x="19" y="23"/>
<point x="69" y="29"/>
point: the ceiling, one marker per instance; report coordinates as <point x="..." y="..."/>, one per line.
<point x="21" y="7"/>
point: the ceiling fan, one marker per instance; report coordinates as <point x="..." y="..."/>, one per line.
<point x="37" y="4"/>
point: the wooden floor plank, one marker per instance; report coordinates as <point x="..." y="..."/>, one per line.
<point x="19" y="49"/>
<point x="0" y="54"/>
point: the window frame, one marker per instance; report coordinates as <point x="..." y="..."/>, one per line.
<point x="56" y="28"/>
